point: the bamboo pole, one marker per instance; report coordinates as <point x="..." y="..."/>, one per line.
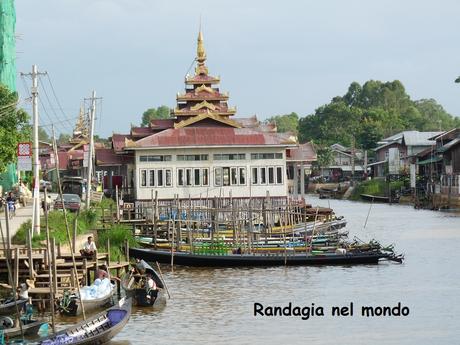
<point x="10" y="278"/>
<point x="50" y="275"/>
<point x="72" y="249"/>
<point x="155" y="221"/>
<point x="162" y="278"/>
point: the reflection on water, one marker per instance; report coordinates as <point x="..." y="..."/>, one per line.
<point x="216" y="306"/>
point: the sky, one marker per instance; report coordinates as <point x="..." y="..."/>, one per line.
<point x="274" y="57"/>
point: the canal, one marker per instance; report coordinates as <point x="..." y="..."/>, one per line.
<point x="216" y="306"/>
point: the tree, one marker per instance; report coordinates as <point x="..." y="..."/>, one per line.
<point x="43" y="135"/>
<point x="64" y="138"/>
<point x="14" y="126"/>
<point x="162" y="112"/>
<point x="371" y="112"/>
<point x="286" y="123"/>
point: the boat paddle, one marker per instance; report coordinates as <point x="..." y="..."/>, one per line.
<point x="163" y="279"/>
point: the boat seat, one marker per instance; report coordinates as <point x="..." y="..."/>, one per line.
<point x="116" y="315"/>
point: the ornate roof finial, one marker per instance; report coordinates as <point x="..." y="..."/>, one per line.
<point x="200" y="52"/>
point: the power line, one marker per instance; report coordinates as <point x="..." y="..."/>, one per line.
<point x="49" y="102"/>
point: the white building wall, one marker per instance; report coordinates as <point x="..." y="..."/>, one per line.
<point x="245" y="190"/>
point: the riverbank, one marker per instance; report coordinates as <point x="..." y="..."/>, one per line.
<point x="87" y="222"/>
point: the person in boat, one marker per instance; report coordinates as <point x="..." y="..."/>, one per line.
<point x="151" y="288"/>
<point x="103" y="272"/>
<point x="89" y="248"/>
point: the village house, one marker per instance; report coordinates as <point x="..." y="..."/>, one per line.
<point x="343" y="165"/>
<point x="405" y="145"/>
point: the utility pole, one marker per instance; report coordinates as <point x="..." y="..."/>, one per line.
<point x="91" y="149"/>
<point x="35" y="148"/>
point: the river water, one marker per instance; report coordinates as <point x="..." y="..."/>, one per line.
<point x="216" y="306"/>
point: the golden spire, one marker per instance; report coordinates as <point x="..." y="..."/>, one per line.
<point x="81" y="128"/>
<point x="200" y="55"/>
<point x="200" y="52"/>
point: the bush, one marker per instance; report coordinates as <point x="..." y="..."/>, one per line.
<point x="377" y="187"/>
<point x="118" y="236"/>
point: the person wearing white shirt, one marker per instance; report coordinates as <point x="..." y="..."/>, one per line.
<point x="89" y="248"/>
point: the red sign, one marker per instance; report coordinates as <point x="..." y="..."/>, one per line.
<point x="25" y="149"/>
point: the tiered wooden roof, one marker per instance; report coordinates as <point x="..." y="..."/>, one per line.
<point x="203" y="99"/>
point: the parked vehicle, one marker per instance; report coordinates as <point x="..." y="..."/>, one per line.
<point x="72" y="202"/>
<point x="73" y="185"/>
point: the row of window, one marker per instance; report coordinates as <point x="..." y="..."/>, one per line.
<point x="267" y="175"/>
<point x="223" y="176"/>
<point x="218" y="156"/>
<point x="156" y="178"/>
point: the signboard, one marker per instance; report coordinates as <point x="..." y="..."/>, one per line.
<point x="394" y="161"/>
<point x="412" y="176"/>
<point x="85" y="159"/>
<point x="449" y="169"/>
<point x="24" y="163"/>
<point x="25" y="156"/>
<point x="128" y="205"/>
<point x="96" y="196"/>
<point x="25" y="149"/>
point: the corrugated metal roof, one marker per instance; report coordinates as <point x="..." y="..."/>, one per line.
<point x="304" y="152"/>
<point x="415" y="138"/>
<point x="118" y="141"/>
<point x="215" y="136"/>
<point x="108" y="157"/>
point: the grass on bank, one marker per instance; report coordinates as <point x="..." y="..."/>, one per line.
<point x="377" y="187"/>
<point x="87" y="222"/>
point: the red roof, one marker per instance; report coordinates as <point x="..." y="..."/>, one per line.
<point x="248" y="122"/>
<point x="202" y="136"/>
<point x="304" y="152"/>
<point x="63" y="160"/>
<point x="118" y="141"/>
<point x="75" y="154"/>
<point x="162" y="123"/>
<point x="201" y="78"/>
<point x="140" y="131"/>
<point x="108" y="157"/>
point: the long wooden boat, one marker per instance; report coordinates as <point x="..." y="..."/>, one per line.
<point x="374" y="198"/>
<point x="140" y="295"/>
<point x="97" y="329"/>
<point x="72" y="306"/>
<point x="29" y="327"/>
<point x="9" y="307"/>
<point x="245" y="260"/>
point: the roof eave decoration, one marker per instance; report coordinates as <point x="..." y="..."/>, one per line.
<point x="213" y="116"/>
<point x="203" y="104"/>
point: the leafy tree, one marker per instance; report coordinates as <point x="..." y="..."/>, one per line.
<point x="286" y="123"/>
<point x="43" y="135"/>
<point x="64" y="138"/>
<point x="371" y="112"/>
<point x="105" y="141"/>
<point x="14" y="126"/>
<point x="162" y="112"/>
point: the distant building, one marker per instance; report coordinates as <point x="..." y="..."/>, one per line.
<point x="406" y="145"/>
<point x="441" y="165"/>
<point x="343" y="163"/>
<point x="299" y="161"/>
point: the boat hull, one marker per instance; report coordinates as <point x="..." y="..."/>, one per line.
<point x="92" y="331"/>
<point x="29" y="327"/>
<point x="74" y="308"/>
<point x="245" y="260"/>
<point x="10" y="308"/>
